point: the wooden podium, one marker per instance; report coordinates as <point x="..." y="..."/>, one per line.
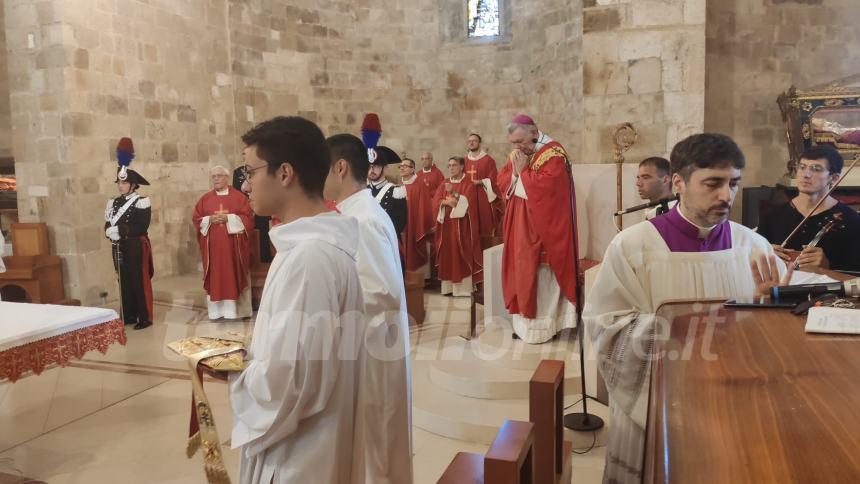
<point x="32" y="274"/>
<point x="747" y="396"/>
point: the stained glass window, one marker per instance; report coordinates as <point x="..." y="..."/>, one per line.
<point x="483" y="18"/>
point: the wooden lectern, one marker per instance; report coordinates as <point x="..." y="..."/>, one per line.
<point x="33" y="274"/>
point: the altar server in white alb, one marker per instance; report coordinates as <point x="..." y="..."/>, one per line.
<point x="384" y="423"/>
<point x="294" y="404"/>
<point x="690" y="252"/>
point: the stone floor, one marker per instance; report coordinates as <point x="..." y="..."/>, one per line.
<point x="123" y="416"/>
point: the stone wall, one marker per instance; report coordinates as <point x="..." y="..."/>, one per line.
<point x="184" y="79"/>
<point x="5" y="112"/>
<point x="757" y="49"/>
<point x="411" y="63"/>
<point x="643" y="62"/>
<point x="82" y="77"/>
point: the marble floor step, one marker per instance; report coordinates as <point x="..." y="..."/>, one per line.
<point x="496" y="346"/>
<point x="477" y="420"/>
<point x="470" y="376"/>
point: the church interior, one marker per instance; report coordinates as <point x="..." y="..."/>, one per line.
<point x="614" y="81"/>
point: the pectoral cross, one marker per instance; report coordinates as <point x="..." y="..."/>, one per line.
<point x="472" y="172"/>
<point x="221" y="210"/>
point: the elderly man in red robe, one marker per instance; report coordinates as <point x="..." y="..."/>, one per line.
<point x="223" y="220"/>
<point x="420" y="224"/>
<point x="459" y="258"/>
<point x="538" y="279"/>
<point x="483" y="173"/>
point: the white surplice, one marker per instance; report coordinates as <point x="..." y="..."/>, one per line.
<point x="294" y="405"/>
<point x="384" y="420"/>
<point x="638" y="274"/>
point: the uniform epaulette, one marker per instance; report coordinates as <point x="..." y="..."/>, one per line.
<point x="143" y="202"/>
<point x="399" y="192"/>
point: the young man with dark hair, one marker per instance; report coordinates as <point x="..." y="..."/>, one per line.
<point x="819" y="168"/>
<point x="482" y="172"/>
<point x="691" y="252"/>
<point x="383" y="422"/>
<point x="294" y="404"/>
<point x="654" y="182"/>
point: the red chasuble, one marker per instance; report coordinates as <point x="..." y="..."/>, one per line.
<point x="431" y="180"/>
<point x="420" y="223"/>
<point x="537" y="231"/>
<point x="490" y="213"/>
<point x="226" y="258"/>
<point x="458" y="245"/>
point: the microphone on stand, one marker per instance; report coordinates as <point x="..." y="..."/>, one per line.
<point x="647" y="205"/>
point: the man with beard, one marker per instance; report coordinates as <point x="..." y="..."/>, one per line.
<point x="691" y="252"/>
<point x="482" y="172"/>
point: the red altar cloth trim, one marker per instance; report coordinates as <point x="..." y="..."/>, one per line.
<point x="60" y="349"/>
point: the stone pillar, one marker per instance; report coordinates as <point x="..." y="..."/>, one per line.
<point x="644" y="62"/>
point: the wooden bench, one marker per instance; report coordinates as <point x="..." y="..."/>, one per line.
<point x="546" y="411"/>
<point x="414" y="282"/>
<point x="510" y="459"/>
<point x="513" y="453"/>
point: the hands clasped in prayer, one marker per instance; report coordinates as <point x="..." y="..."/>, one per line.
<point x="218" y="218"/>
<point x="520" y="160"/>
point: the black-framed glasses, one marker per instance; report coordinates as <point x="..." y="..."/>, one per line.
<point x="248" y="172"/>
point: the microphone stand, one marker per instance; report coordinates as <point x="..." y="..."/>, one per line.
<point x="580" y="421"/>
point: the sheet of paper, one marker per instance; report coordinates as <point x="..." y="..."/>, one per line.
<point x="833" y="320"/>
<point x="801" y="277"/>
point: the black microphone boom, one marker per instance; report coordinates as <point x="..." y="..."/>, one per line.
<point x="647" y="205"/>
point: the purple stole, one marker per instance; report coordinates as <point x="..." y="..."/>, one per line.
<point x="682" y="236"/>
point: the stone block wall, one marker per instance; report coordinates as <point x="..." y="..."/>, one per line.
<point x="757" y="49"/>
<point x="411" y="63"/>
<point x="82" y="76"/>
<point x="644" y="63"/>
<point x="5" y="110"/>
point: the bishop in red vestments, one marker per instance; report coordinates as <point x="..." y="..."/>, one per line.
<point x="420" y="225"/>
<point x="459" y="258"/>
<point x="482" y="171"/>
<point x="223" y="219"/>
<point x="538" y="279"/>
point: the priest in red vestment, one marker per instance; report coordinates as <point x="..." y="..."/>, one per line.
<point x="538" y="279"/>
<point x="483" y="173"/>
<point x="459" y="258"/>
<point x="223" y="220"/>
<point x="420" y="225"/>
<point x="429" y="175"/>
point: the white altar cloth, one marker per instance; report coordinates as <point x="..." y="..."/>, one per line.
<point x="22" y="323"/>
